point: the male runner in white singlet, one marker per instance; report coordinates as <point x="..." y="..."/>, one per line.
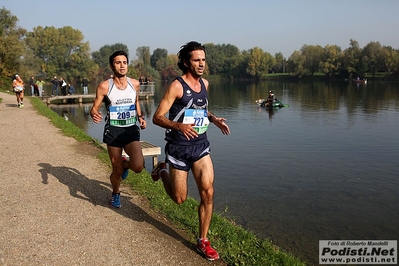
<point x="120" y="94"/>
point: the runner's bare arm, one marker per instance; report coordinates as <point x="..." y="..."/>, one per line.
<point x="136" y="85"/>
<point x="101" y="92"/>
<point x="175" y="91"/>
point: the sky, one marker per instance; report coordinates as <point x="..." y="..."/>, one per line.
<point x="274" y="26"/>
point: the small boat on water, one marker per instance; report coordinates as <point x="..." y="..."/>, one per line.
<point x="360" y="81"/>
<point x="266" y="103"/>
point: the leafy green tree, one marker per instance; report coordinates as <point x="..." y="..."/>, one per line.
<point x="351" y="57"/>
<point x="214" y="58"/>
<point x="296" y="63"/>
<point x="278" y="66"/>
<point x="151" y="73"/>
<point x="132" y="72"/>
<point x="11" y="44"/>
<point x="143" y="63"/>
<point x="372" y="57"/>
<point x="331" y="63"/>
<point x="61" y="52"/>
<point x="171" y="70"/>
<point x="158" y="59"/>
<point x="143" y="55"/>
<point x="232" y="66"/>
<point x="390" y="59"/>
<point x="232" y="59"/>
<point x="259" y="62"/>
<point x="313" y="56"/>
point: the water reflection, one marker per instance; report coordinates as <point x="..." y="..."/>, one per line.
<point x="323" y="168"/>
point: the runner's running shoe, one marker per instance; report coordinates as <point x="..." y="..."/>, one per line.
<point x="125" y="170"/>
<point x="204" y="247"/>
<point x="156" y="171"/>
<point x="116" y="200"/>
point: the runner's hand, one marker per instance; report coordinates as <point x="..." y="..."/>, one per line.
<point x="188" y="130"/>
<point x="143" y="123"/>
<point x="96" y="116"/>
<point x="220" y="123"/>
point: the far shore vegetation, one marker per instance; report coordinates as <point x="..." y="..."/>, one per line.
<point x="47" y="51"/>
<point x="236" y="245"/>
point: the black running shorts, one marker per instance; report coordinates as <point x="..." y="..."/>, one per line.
<point x="182" y="157"/>
<point x="120" y="136"/>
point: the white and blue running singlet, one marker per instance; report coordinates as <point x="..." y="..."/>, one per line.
<point x="191" y="108"/>
<point x="121" y="105"/>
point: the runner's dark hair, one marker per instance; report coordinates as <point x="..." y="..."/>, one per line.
<point x="115" y="54"/>
<point x="184" y="54"/>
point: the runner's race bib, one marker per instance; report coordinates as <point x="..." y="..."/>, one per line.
<point x="18" y="88"/>
<point x="124" y="115"/>
<point x="197" y="117"/>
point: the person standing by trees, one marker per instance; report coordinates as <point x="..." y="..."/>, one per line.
<point x="187" y="147"/>
<point x="55" y="86"/>
<point x="120" y="94"/>
<point x="63" y="86"/>
<point x="32" y="85"/>
<point x="18" y="87"/>
<point x="40" y="83"/>
<point x="85" y="83"/>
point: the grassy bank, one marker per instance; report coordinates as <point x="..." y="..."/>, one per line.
<point x="235" y="245"/>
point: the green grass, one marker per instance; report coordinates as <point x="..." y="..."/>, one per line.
<point x="68" y="128"/>
<point x="235" y="245"/>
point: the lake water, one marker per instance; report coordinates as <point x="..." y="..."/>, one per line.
<point x="324" y="168"/>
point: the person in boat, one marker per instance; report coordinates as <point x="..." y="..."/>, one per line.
<point x="270" y="99"/>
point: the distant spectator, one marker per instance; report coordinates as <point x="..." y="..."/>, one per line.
<point x="63" y="86"/>
<point x="71" y="89"/>
<point x="35" y="90"/>
<point x="32" y="85"/>
<point x="55" y="86"/>
<point x="40" y="84"/>
<point x="85" y="83"/>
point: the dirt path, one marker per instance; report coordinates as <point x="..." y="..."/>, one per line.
<point x="55" y="210"/>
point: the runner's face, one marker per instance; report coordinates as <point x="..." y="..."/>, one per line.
<point x="120" y="65"/>
<point x="197" y="63"/>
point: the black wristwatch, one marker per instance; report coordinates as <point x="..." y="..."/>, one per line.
<point x="210" y="118"/>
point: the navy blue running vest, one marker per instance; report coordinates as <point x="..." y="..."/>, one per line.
<point x="189" y="100"/>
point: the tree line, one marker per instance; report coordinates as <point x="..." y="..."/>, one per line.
<point x="48" y="51"/>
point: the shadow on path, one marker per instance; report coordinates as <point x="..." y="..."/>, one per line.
<point x="11" y="105"/>
<point x="99" y="193"/>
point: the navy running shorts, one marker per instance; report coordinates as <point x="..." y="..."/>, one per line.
<point x="120" y="136"/>
<point x="182" y="157"/>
